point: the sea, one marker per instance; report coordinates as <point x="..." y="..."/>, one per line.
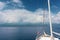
<point x="25" y="32"/>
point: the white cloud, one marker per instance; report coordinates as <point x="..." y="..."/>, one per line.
<point x="25" y="16"/>
<point x="2" y="5"/>
<point x="43" y="13"/>
<point x="56" y="18"/>
<point x="6" y="5"/>
<point x="17" y="1"/>
<point x="19" y="15"/>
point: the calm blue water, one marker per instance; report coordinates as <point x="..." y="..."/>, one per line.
<point x="23" y="33"/>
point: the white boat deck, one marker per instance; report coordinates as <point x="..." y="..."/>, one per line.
<point x="46" y="38"/>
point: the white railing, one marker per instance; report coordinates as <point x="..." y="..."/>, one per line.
<point x="56" y="33"/>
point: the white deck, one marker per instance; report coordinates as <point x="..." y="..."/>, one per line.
<point x="46" y="38"/>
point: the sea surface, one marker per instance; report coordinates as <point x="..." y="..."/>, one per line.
<point x="25" y="33"/>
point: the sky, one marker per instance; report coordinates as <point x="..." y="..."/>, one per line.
<point x="28" y="11"/>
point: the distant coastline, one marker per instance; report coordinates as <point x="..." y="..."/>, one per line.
<point x="26" y="25"/>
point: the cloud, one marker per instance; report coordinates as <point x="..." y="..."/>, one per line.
<point x="2" y="5"/>
<point x="14" y="4"/>
<point x="17" y="1"/>
<point x="19" y="16"/>
<point x="25" y="16"/>
<point x="56" y="18"/>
